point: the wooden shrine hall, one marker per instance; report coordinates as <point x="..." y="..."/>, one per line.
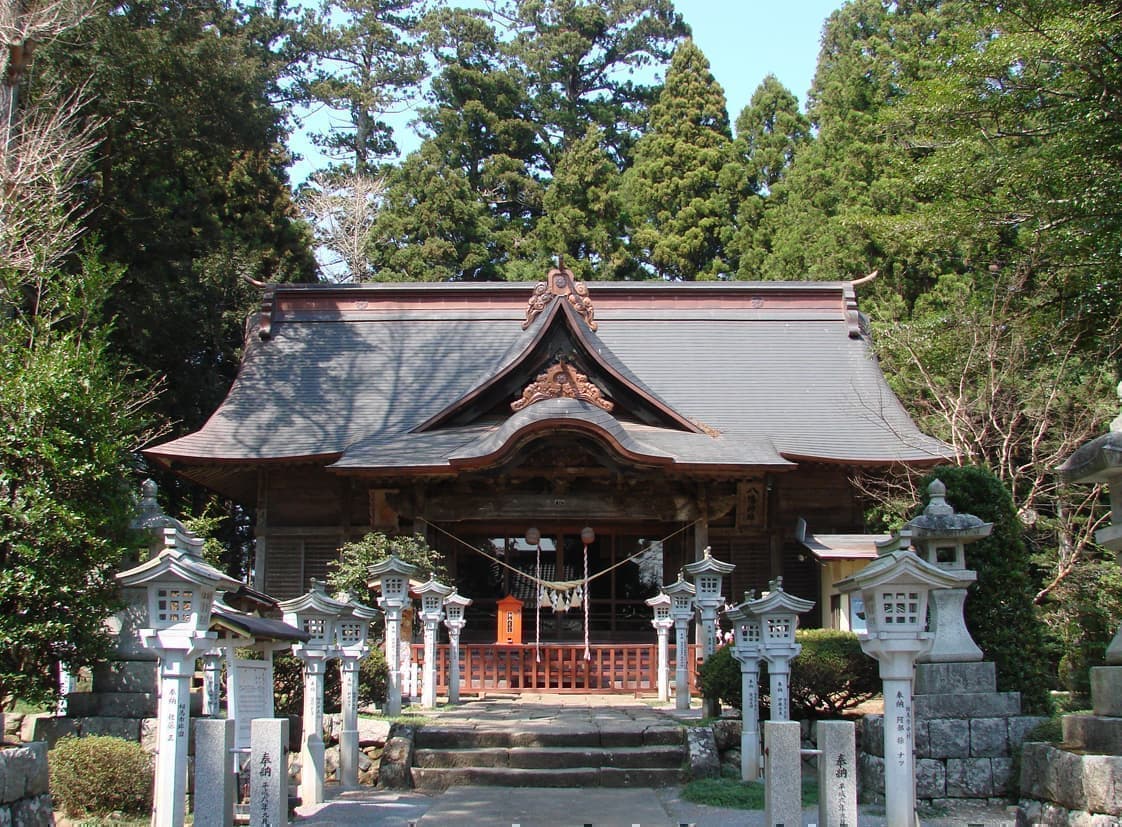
<point x="667" y="417"/>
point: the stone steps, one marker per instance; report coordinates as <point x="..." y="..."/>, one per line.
<point x="627" y="754"/>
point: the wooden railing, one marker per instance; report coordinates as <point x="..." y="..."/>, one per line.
<point x="610" y="668"/>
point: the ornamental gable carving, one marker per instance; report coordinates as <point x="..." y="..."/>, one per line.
<point x="560" y="283"/>
<point x="562" y="381"/>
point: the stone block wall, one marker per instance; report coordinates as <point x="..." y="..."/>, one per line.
<point x="24" y="796"/>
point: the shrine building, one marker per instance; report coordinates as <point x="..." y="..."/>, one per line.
<point x="667" y="417"/>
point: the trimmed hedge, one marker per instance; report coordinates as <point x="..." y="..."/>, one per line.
<point x="99" y="775"/>
<point x="831" y="674"/>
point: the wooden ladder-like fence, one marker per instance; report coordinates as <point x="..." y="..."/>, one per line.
<point x="561" y="668"/>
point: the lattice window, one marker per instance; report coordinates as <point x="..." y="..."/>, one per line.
<point x="901" y="608"/>
<point x="708" y="584"/>
<point x="174" y="605"/>
<point x="750" y="632"/>
<point x="350" y="632"/>
<point x="315" y="626"/>
<point x="778" y="628"/>
<point x="392" y="585"/>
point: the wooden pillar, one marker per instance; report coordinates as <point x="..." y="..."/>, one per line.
<point x="701" y="528"/>
<point x="261" y="532"/>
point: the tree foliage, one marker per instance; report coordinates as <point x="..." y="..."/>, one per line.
<point x="350" y="573"/>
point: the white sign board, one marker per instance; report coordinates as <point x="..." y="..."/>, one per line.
<point x="250" y="695"/>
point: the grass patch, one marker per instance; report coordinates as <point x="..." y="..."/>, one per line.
<point x="22" y="706"/>
<point x="732" y="793"/>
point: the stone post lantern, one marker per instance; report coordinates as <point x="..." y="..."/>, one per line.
<point x="895" y="588"/>
<point x="351" y="633"/>
<point x="391" y="576"/>
<point x="432" y="596"/>
<point x="662" y="622"/>
<point x="681" y="596"/>
<point x="708" y="574"/>
<point x="746" y="649"/>
<point x="180" y="590"/>
<point x="778" y="613"/>
<point x="454" y="606"/>
<point x="317" y="615"/>
<point x="940" y="537"/>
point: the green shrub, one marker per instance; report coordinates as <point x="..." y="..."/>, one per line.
<point x="98" y="775"/>
<point x="830" y="674"/>
<point x="373" y="676"/>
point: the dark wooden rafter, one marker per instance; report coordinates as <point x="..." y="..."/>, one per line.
<point x="560" y="283"/>
<point x="562" y="381"/>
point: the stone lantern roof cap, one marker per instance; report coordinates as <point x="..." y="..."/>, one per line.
<point x="709" y="564"/>
<point x="940" y="520"/>
<point x="392" y="565"/>
<point x="679" y="586"/>
<point x="360" y="610"/>
<point x="457" y="599"/>
<point x="432" y="586"/>
<point x="900" y="567"/>
<point x="316" y="599"/>
<point x="660" y="599"/>
<point x="1099" y="460"/>
<point x="149" y="515"/>
<point x="777" y="600"/>
<point x="181" y="558"/>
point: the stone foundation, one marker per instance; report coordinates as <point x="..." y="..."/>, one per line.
<point x="966" y="734"/>
<point x="24" y="796"/>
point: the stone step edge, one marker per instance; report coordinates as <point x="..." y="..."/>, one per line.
<point x="439" y="737"/>
<point x="441" y="778"/>
<point x="670" y="756"/>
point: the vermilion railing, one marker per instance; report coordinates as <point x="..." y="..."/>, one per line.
<point x="611" y="668"/>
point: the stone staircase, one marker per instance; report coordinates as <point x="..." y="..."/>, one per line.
<point x="604" y="748"/>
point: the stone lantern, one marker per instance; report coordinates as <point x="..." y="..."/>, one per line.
<point x="940" y="537"/>
<point x="455" y="605"/>
<point x="316" y="614"/>
<point x="895" y="589"/>
<point x="179" y="590"/>
<point x="351" y="633"/>
<point x="681" y="596"/>
<point x="392" y="576"/>
<point x="778" y="614"/>
<point x="708" y="575"/>
<point x="746" y="649"/>
<point x="432" y="596"/>
<point x="662" y="622"/>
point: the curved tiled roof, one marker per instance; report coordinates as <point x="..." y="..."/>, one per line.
<point x="772" y="373"/>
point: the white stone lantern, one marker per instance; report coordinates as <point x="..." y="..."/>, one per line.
<point x="351" y="632"/>
<point x="895" y="589"/>
<point x="708" y="577"/>
<point x="778" y="613"/>
<point x="391" y="576"/>
<point x="940" y="537"/>
<point x="432" y="596"/>
<point x="681" y="596"/>
<point x="180" y="591"/>
<point x="746" y="649"/>
<point x="316" y="614"/>
<point x="662" y="622"/>
<point x="455" y="605"/>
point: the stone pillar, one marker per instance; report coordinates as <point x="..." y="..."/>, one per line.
<point x="212" y="684"/>
<point x="453" y="665"/>
<point x="348" y="736"/>
<point x="837" y="774"/>
<point x="311" y="744"/>
<point x="779" y="675"/>
<point x="170" y="797"/>
<point x="393" y="660"/>
<point x="268" y="773"/>
<point x="896" y="671"/>
<point x="681" y="666"/>
<point x="214" y="775"/>
<point x="750" y="720"/>
<point x="428" y="674"/>
<point x="783" y="773"/>
<point x="663" y="663"/>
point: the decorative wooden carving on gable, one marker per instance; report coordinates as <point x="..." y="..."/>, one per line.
<point x="559" y="282"/>
<point x="562" y="381"/>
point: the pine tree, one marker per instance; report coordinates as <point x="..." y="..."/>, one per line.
<point x="681" y="215"/>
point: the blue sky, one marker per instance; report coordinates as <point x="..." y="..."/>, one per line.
<point x="743" y="39"/>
